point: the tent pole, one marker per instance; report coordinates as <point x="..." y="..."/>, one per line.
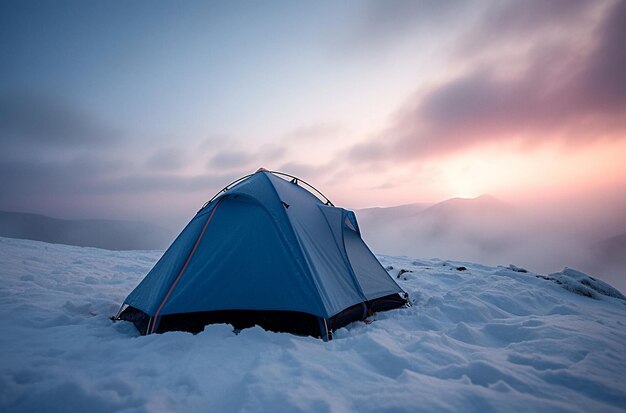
<point x="324" y="329"/>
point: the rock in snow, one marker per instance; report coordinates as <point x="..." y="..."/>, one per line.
<point x="485" y="339"/>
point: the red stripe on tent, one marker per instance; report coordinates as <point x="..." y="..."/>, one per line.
<point x="182" y="270"/>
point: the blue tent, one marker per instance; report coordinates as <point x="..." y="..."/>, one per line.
<point x="264" y="251"/>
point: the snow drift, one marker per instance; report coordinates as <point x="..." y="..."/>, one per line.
<point x="477" y="338"/>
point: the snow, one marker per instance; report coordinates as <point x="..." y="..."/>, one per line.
<point x="477" y="339"/>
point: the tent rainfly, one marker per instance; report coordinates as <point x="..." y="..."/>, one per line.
<point x="264" y="251"/>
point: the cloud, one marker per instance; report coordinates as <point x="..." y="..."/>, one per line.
<point x="42" y="120"/>
<point x="35" y="179"/>
<point x="521" y="21"/>
<point x="166" y="159"/>
<point x="236" y="159"/>
<point x="168" y="182"/>
<point x="605" y="75"/>
<point x="230" y="159"/>
<point x="559" y="92"/>
<point x="314" y="132"/>
<point x="383" y="24"/>
<point x="53" y="153"/>
<point x="303" y="170"/>
<point x="270" y="154"/>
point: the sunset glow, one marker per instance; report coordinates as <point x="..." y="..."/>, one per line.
<point x="146" y="112"/>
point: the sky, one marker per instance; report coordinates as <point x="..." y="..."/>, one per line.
<point x="143" y="110"/>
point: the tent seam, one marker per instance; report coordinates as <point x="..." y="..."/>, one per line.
<point x="344" y="257"/>
<point x="184" y="267"/>
<point x="309" y="267"/>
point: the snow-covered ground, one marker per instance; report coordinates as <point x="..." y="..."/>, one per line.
<point x="477" y="338"/>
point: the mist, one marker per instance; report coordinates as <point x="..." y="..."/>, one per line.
<point x="141" y="112"/>
<point x="542" y="235"/>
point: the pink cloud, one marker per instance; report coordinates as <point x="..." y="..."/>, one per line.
<point x="563" y="93"/>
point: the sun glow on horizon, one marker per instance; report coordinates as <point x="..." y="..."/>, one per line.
<point x="501" y="170"/>
<point x="548" y="169"/>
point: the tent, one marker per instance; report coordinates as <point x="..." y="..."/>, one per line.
<point x="264" y="251"/>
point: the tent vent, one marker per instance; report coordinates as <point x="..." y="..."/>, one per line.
<point x="349" y="224"/>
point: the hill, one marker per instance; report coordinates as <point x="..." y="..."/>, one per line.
<point x="478" y="338"/>
<point x="459" y="228"/>
<point x="108" y="234"/>
<point x="395" y="212"/>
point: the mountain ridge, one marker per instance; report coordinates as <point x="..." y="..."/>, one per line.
<point x="100" y="233"/>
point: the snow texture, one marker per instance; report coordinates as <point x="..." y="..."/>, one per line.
<point x="477" y="339"/>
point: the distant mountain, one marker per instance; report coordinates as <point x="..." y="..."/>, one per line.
<point x="612" y="249"/>
<point x="483" y="222"/>
<point x="487" y="229"/>
<point x="392" y="213"/>
<point x="484" y="206"/>
<point x="607" y="258"/>
<point x="457" y="228"/>
<point x="108" y="234"/>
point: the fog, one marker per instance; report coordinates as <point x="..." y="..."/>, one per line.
<point x="586" y="231"/>
<point x="99" y="233"/>
<point x="142" y="111"/>
<point x="544" y="235"/>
